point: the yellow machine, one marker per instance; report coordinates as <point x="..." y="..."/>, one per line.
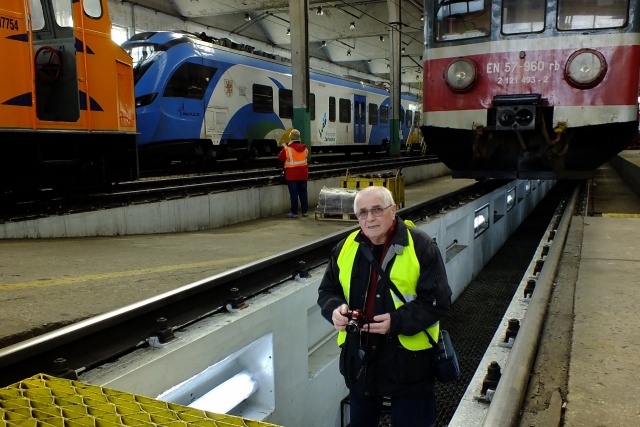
<point x="67" y="108"/>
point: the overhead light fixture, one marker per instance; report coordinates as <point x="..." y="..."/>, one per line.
<point x="349" y="52"/>
<point x="288" y="31"/>
<point x="404" y="50"/>
<point x="352" y="26"/>
<point x="319" y="11"/>
<point x="247" y="17"/>
<point x="323" y="44"/>
<point x="381" y="38"/>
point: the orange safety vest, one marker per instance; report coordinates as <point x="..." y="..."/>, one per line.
<point x="295" y="158"/>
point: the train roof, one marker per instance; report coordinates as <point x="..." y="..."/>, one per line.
<point x="167" y="39"/>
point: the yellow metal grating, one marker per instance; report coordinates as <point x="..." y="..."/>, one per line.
<point x="44" y="401"/>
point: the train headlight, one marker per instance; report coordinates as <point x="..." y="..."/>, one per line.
<point x="461" y="74"/>
<point x="585" y="68"/>
<point x="143" y="100"/>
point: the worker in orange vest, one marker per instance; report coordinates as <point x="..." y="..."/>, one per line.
<point x="296" y="172"/>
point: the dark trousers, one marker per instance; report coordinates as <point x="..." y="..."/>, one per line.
<point x="405" y="411"/>
<point x="298" y="190"/>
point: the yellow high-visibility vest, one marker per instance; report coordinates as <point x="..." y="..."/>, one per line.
<point x="404" y="273"/>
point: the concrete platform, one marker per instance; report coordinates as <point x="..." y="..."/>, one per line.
<point x="603" y="388"/>
<point x="586" y="372"/>
<point x="605" y="355"/>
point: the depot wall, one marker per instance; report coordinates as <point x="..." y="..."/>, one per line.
<point x="204" y="212"/>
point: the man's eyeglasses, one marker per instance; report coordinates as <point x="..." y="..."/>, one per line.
<point x="375" y="211"/>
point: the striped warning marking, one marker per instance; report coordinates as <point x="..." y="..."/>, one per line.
<point x="620" y="215"/>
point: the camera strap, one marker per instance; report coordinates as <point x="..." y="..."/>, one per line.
<point x="366" y="249"/>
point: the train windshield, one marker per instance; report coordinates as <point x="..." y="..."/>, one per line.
<point x="587" y="15"/>
<point x="143" y="56"/>
<point x="462" y="19"/>
<point x="522" y="16"/>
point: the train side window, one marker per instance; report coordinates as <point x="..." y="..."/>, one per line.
<point x="373" y="114"/>
<point x="63" y="12"/>
<point x="345" y="110"/>
<point x="384" y="114"/>
<point x="408" y="116"/>
<point x="262" y="99"/>
<point x="332" y="109"/>
<point x="37" y="15"/>
<point x="592" y="14"/>
<point x="416" y="118"/>
<point x="522" y="16"/>
<point x="401" y="115"/>
<point x="285" y="103"/>
<point x="460" y="19"/>
<point x="312" y="106"/>
<point x="93" y="8"/>
<point x="189" y="81"/>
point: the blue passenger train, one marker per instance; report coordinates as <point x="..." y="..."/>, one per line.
<point x="198" y="98"/>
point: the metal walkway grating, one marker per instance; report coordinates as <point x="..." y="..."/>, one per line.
<point x="43" y="401"/>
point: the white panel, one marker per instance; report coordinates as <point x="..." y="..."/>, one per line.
<point x="464" y="119"/>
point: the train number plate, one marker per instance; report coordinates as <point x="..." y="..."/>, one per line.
<point x="9" y="23"/>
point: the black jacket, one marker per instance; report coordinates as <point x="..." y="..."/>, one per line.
<point x="388" y="369"/>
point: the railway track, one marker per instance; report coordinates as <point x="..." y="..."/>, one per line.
<point x="32" y="205"/>
<point x="95" y="341"/>
<point x="479" y="312"/>
<point x="231" y="165"/>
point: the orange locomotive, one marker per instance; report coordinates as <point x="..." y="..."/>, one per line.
<point x="67" y="109"/>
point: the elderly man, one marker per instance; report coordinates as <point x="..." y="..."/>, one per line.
<point x="384" y="348"/>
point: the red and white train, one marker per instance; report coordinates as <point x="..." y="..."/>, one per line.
<point x="530" y="88"/>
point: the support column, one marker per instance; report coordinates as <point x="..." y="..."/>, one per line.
<point x="395" y="25"/>
<point x="299" y="14"/>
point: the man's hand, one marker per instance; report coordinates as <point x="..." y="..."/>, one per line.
<point x="339" y="317"/>
<point x="382" y="324"/>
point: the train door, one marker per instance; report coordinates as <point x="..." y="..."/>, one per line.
<point x="216" y="119"/>
<point x="54" y="53"/>
<point x="359" y="118"/>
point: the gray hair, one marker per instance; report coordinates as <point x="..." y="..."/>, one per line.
<point x="374" y="190"/>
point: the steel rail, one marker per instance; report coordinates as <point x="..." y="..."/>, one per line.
<point x="505" y="405"/>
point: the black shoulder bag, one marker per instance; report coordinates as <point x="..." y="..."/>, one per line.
<point x="445" y="361"/>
